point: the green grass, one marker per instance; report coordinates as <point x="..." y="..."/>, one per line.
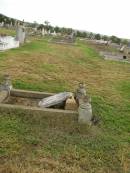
<point x="7" y="31"/>
<point x="35" y="145"/>
<point x="57" y="86"/>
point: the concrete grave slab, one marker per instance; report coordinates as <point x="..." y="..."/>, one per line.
<point x="33" y="109"/>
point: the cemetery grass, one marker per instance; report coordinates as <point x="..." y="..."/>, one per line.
<point x="6" y="31"/>
<point x="36" y="145"/>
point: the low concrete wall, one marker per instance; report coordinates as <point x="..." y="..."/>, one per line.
<point x="58" y="117"/>
<point x="47" y="111"/>
<point x="29" y="94"/>
<point x="53" y="116"/>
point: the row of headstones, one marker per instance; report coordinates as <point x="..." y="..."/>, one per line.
<point x="42" y="32"/>
<point x="3" y="24"/>
<point x="7" y="25"/>
<point x="21" y="32"/>
<point x="48" y="32"/>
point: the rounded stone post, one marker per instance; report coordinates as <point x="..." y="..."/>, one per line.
<point x="85" y="111"/>
<point x="7" y="84"/>
<point x="80" y="92"/>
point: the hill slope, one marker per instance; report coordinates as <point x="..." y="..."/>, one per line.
<point x="31" y="145"/>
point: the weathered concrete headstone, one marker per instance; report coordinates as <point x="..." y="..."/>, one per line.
<point x="54" y="100"/>
<point x="5" y="88"/>
<point x="54" y="33"/>
<point x="85" y="111"/>
<point x="1" y="24"/>
<point x="20" y="34"/>
<point x="122" y="48"/>
<point x="72" y="36"/>
<point x="35" y="30"/>
<point x="7" y="83"/>
<point x="43" y="32"/>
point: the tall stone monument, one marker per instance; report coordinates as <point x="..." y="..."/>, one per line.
<point x="20" y="33"/>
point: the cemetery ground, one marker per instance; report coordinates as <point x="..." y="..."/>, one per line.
<point x="5" y="31"/>
<point x="37" y="145"/>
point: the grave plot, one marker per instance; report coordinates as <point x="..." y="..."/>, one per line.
<point x="47" y="104"/>
<point x="8" y="42"/>
<point x="27" y="101"/>
<point x="114" y="56"/>
<point x="36" y="99"/>
<point x="13" y="100"/>
<point x="70" y="40"/>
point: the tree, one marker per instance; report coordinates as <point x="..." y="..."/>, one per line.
<point x="115" y="39"/>
<point x="90" y="35"/>
<point x="63" y="30"/>
<point x="40" y="27"/>
<point x="46" y="22"/>
<point x="125" y="41"/>
<point x="47" y="26"/>
<point x="84" y="34"/>
<point x="51" y="28"/>
<point x="105" y="38"/>
<point x="97" y="36"/>
<point x="81" y="34"/>
<point x="57" y="29"/>
<point x="69" y="30"/>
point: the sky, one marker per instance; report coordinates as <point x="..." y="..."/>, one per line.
<point x="108" y="17"/>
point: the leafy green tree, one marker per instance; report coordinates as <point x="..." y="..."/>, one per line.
<point x="97" y="36"/>
<point x="115" y="39"/>
<point x="81" y="34"/>
<point x="63" y="30"/>
<point x="57" y="29"/>
<point x="90" y="35"/>
<point x="69" y="30"/>
<point x="105" y="38"/>
<point x="40" y="27"/>
<point x="125" y="41"/>
<point x="47" y="25"/>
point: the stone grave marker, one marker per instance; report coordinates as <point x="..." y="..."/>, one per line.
<point x="54" y="100"/>
<point x="85" y="111"/>
<point x="20" y="34"/>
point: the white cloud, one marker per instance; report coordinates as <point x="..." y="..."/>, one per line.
<point x="102" y="16"/>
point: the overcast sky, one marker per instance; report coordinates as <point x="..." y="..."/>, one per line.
<point x="110" y="17"/>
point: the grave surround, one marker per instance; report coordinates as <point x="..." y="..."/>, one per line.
<point x="35" y="110"/>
